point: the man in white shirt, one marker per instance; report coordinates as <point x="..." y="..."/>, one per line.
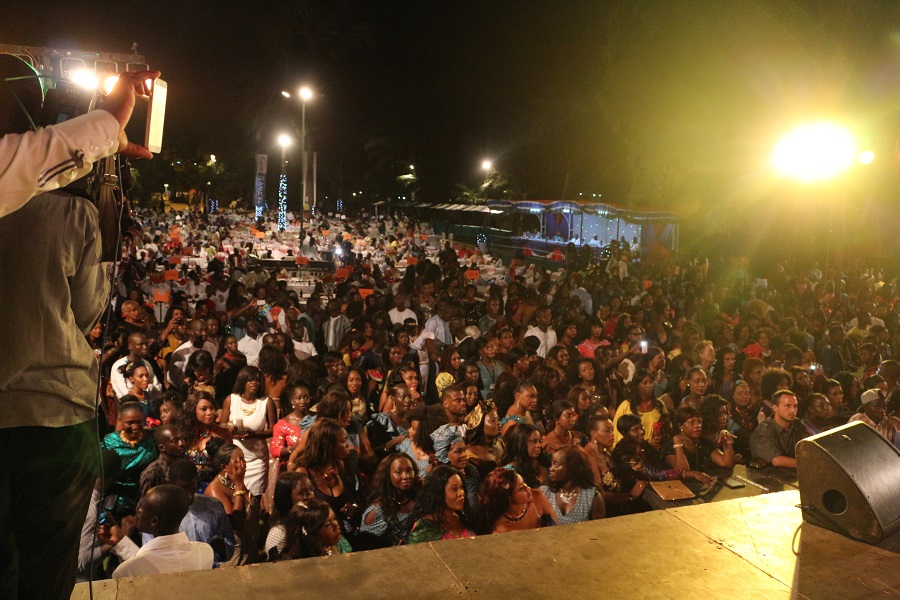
<point x="251" y="344"/>
<point x="160" y="513"/>
<point x="197" y="341"/>
<point x="542" y="330"/>
<point x="137" y="349"/>
<point x="400" y="312"/>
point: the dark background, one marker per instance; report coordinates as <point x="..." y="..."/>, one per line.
<point x="667" y="104"/>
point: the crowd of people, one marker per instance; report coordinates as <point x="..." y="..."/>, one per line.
<point x="398" y="406"/>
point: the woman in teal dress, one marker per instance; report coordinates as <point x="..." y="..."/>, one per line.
<point x="386" y="521"/>
<point x="136" y="450"/>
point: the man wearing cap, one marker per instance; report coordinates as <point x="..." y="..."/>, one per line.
<point x="775" y="439"/>
<point x="873" y="413"/>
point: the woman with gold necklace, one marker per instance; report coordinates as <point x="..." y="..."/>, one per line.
<point x="507" y="503"/>
<point x="564" y="419"/>
<point x="642" y="404"/>
<point x="136" y="450"/>
<point x="229" y="488"/>
<point x="618" y="500"/>
<point x="251" y="416"/>
<point x="323" y="459"/>
<point x="572" y="494"/>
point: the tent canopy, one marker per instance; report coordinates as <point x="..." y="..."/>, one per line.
<point x="603" y="209"/>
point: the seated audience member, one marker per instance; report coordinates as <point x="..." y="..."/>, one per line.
<point x="291" y="489"/>
<point x="636" y="460"/>
<point x="170" y="551"/>
<point x="450" y="449"/>
<point x="484" y="446"/>
<point x="616" y="498"/>
<point x="394" y="489"/>
<point x="325" y="461"/>
<point x="206" y="520"/>
<point x="243" y="508"/>
<point x="564" y="419"/>
<point x="137" y="349"/>
<point x="312" y="529"/>
<point x="136" y="449"/>
<point x="819" y="414"/>
<point x="202" y="435"/>
<point x="387" y="430"/>
<point x="506" y="503"/>
<point x="775" y="439"/>
<point x="440" y="508"/>
<point x="170" y="445"/>
<point x="873" y="412"/>
<point x="525" y="452"/>
<point x="112" y="535"/>
<point x="690" y="450"/>
<point x="572" y="494"/>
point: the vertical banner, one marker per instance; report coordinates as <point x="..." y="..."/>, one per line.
<point x="259" y="194"/>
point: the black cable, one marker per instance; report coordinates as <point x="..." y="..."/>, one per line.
<point x="112" y="290"/>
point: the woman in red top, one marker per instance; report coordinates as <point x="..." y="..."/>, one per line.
<point x="295" y="403"/>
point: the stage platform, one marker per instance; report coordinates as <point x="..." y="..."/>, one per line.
<point x="745" y="548"/>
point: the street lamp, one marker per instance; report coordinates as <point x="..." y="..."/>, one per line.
<point x="306" y="95"/>
<point x="284" y="141"/>
<point x="487" y="165"/>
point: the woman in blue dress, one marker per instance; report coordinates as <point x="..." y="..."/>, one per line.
<point x="571" y="490"/>
<point x="386" y="521"/>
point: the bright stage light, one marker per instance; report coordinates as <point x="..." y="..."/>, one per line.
<point x="84" y="78"/>
<point x="815" y="152"/>
<point x="867" y="157"/>
<point x="109" y="83"/>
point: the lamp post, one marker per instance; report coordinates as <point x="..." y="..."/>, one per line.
<point x="284" y="141"/>
<point x="814" y="153"/>
<point x="306" y="94"/>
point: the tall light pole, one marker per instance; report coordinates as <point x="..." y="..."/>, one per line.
<point x="284" y="141"/>
<point x="306" y="94"/>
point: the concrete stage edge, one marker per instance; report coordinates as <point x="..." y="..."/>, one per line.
<point x="738" y="548"/>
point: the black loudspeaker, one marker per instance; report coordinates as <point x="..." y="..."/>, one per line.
<point x="850" y="482"/>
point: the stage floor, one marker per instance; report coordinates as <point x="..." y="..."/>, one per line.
<point x="741" y="548"/>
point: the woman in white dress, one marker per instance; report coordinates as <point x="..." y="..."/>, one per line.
<point x="251" y="417"/>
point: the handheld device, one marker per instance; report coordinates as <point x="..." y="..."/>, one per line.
<point x="148" y="117"/>
<point x="105" y="517"/>
<point x="643" y="346"/>
<point x="733" y="484"/>
<point x="156" y="116"/>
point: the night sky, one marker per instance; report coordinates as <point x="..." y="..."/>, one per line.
<point x="654" y="103"/>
